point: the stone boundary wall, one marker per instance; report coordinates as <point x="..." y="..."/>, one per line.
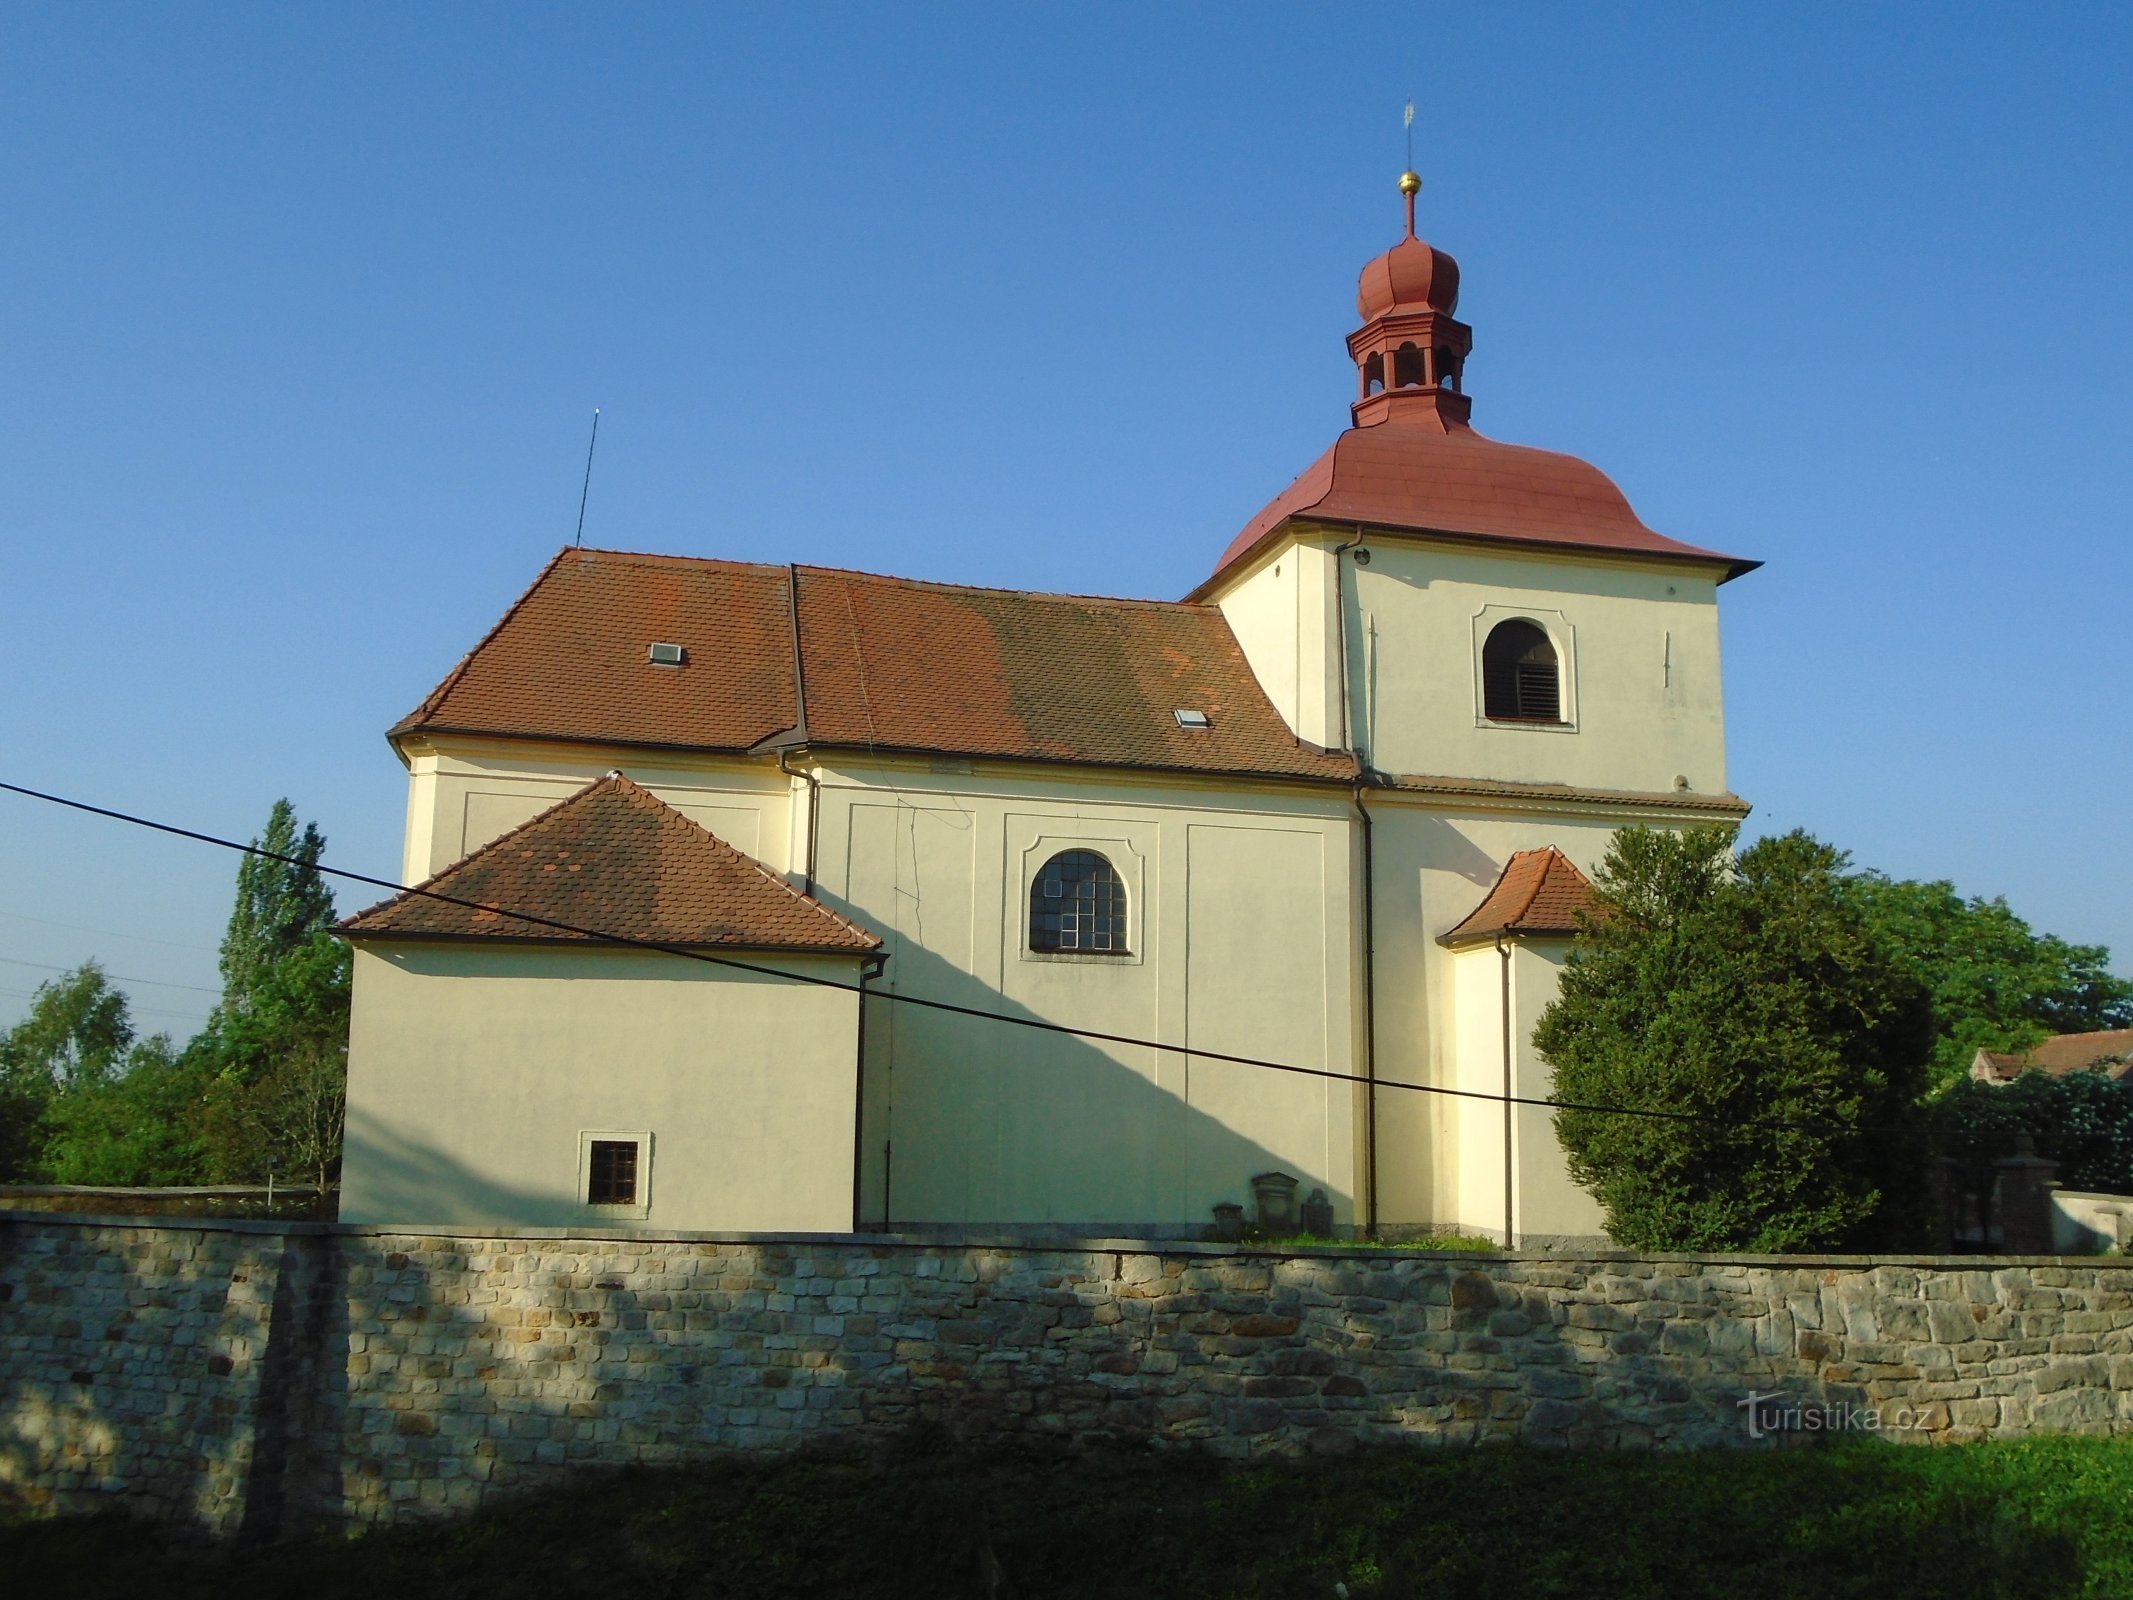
<point x="249" y="1378"/>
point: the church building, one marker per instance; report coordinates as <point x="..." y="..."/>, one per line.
<point x="787" y="898"/>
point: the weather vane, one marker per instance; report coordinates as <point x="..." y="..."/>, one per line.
<point x="1410" y="180"/>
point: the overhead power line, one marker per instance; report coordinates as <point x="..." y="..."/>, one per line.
<point x="104" y="933"/>
<point x="157" y="983"/>
<point x="1036" y="1024"/>
<point x="151" y="1011"/>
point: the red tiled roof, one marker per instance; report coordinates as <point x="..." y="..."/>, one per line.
<point x="886" y="663"/>
<point x="1538" y="892"/>
<point x="1424" y="474"/>
<point x="2109" y="1050"/>
<point x="568" y="659"/>
<point x="615" y="859"/>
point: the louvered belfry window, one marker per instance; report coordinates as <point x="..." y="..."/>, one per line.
<point x="1520" y="679"/>
<point x="1078" y="906"/>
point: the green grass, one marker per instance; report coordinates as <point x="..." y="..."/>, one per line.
<point x="2044" y="1517"/>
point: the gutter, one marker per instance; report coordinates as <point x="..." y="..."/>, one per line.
<point x="798" y="736"/>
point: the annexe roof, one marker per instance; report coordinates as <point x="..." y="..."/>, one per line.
<point x="1539" y="893"/>
<point x="888" y="664"/>
<point x="616" y="859"/>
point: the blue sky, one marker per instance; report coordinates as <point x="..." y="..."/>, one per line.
<point x="304" y="312"/>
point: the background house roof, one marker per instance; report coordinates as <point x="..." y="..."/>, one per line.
<point x="1539" y="892"/>
<point x="884" y="663"/>
<point x="616" y="859"/>
<point x="2110" y="1050"/>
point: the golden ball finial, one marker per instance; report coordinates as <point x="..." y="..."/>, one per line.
<point x="1410" y="182"/>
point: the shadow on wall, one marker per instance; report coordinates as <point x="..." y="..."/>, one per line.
<point x="419" y="1185"/>
<point x="132" y="1360"/>
<point x="990" y="1123"/>
<point x="1441" y="843"/>
<point x="269" y="1378"/>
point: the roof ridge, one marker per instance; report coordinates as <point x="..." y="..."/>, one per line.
<point x="638" y="792"/>
<point x="1547" y="853"/>
<point x="1137" y="601"/>
<point x="494" y="844"/>
<point x="824" y="909"/>
<point x="667" y="558"/>
<point x="437" y="696"/>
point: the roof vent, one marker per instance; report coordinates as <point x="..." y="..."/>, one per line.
<point x="668" y="655"/>
<point x="1191" y="719"/>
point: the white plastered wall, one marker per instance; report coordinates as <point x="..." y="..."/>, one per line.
<point x="1243" y="941"/>
<point x="474" y="1071"/>
<point x="1242" y="933"/>
<point x="1637" y="645"/>
<point x="1543" y="1204"/>
<point x="1285" y="615"/>
<point x="1435" y="858"/>
<point x="463" y="793"/>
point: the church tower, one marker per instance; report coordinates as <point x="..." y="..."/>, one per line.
<point x="1438" y="602"/>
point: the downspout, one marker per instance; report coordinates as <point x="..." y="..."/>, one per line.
<point x="1370" y="951"/>
<point x="1503" y="950"/>
<point x="799" y="734"/>
<point x="869" y="969"/>
<point x="1370" y="1029"/>
<point x="814" y="807"/>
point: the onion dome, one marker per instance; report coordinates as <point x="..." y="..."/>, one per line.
<point x="1412" y="275"/>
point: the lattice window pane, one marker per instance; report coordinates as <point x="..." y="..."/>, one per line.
<point x="1078" y="904"/>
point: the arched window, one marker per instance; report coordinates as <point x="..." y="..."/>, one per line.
<point x="1078" y="906"/>
<point x="1519" y="677"/>
<point x="1407" y="367"/>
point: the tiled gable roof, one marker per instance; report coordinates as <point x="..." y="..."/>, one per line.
<point x="884" y="663"/>
<point x="1539" y="892"/>
<point x="615" y="859"/>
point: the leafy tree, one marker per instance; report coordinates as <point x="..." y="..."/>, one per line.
<point x="83" y="1101"/>
<point x="1996" y="985"/>
<point x="278" y="1071"/>
<point x="77" y="1031"/>
<point x="280" y="904"/>
<point x="2083" y="1121"/>
<point x="1742" y="992"/>
<point x="137" y="1127"/>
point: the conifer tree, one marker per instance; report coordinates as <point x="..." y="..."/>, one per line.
<point x="275" y="1052"/>
<point x="280" y="904"/>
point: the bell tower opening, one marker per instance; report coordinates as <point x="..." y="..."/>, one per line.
<point x="1410" y="352"/>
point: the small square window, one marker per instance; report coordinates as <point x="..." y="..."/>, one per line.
<point x="615" y="1172"/>
<point x="611" y="1179"/>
